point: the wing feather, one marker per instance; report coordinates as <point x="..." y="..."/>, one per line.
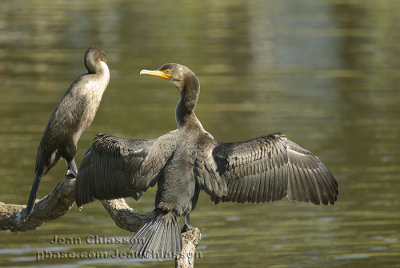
<point x="267" y="169"/>
<point x="117" y="167"/>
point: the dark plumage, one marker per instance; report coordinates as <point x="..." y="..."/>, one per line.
<point x="72" y="116"/>
<point x="189" y="159"/>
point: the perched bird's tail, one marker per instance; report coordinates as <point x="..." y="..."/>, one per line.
<point x="159" y="238"/>
<point x="32" y="196"/>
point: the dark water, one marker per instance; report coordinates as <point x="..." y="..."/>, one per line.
<point x="326" y="73"/>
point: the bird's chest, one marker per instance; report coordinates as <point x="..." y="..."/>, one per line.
<point x="179" y="169"/>
<point x="94" y="98"/>
<point x="176" y="186"/>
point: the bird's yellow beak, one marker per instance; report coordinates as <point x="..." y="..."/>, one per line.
<point x="158" y="73"/>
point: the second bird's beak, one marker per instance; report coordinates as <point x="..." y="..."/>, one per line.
<point x="158" y="73"/>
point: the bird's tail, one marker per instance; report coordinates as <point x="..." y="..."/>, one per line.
<point x="159" y="238"/>
<point x="32" y="196"/>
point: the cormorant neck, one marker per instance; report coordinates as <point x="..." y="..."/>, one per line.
<point x="182" y="115"/>
<point x="99" y="67"/>
<point x="189" y="94"/>
<point x="102" y="68"/>
<point x="101" y="73"/>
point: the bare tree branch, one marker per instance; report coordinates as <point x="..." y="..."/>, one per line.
<point x="51" y="207"/>
<point x="123" y="215"/>
<point x="62" y="199"/>
<point x="190" y="240"/>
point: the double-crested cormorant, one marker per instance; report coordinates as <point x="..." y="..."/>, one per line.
<point x="72" y="116"/>
<point x="189" y="159"/>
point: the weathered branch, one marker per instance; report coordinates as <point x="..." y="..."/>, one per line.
<point x="51" y="207"/>
<point x="123" y="215"/>
<point x="190" y="240"/>
<point x="62" y="199"/>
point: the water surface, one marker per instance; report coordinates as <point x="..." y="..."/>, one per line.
<point x="326" y="73"/>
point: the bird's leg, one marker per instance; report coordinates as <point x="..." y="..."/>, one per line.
<point x="72" y="169"/>
<point x="187" y="225"/>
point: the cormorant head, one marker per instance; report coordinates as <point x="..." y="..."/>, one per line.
<point x="187" y="84"/>
<point x="183" y="79"/>
<point x="179" y="75"/>
<point x="93" y="56"/>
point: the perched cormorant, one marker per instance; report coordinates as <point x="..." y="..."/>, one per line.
<point x="72" y="116"/>
<point x="189" y="159"/>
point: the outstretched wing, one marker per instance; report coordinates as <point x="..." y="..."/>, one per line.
<point x="117" y="167"/>
<point x="271" y="167"/>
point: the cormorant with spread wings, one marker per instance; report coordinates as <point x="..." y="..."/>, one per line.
<point x="187" y="160"/>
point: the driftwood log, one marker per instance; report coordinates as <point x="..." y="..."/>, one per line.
<point x="62" y="199"/>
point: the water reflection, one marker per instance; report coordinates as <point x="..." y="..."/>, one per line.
<point x="323" y="72"/>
